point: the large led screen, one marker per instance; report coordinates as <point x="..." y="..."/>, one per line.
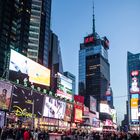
<point x="26" y="69"/>
<point x="24" y="100"/>
<point x="93" y="104"/>
<point x="64" y="86"/>
<point x="134" y="87"/>
<point x="104" y="108"/>
<point x="134" y="114"/>
<point x="78" y="111"/>
<point x="68" y="112"/>
<point x="5" y="95"/>
<point x="54" y="108"/>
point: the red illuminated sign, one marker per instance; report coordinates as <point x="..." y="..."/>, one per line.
<point x="135" y="73"/>
<point x="89" y="39"/>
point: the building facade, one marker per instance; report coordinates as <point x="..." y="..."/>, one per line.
<point x="25" y="27"/>
<point x="55" y="59"/>
<point x="73" y="78"/>
<point x="133" y="84"/>
<point x="94" y="68"/>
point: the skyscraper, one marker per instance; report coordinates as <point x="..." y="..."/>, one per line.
<point x="94" y="68"/>
<point x="25" y="27"/>
<point x="133" y="84"/>
<point x="55" y="59"/>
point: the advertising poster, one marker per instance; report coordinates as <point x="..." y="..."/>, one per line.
<point x="134" y="114"/>
<point x="2" y="116"/>
<point x="134" y="87"/>
<point x="54" y="108"/>
<point x="78" y="111"/>
<point x="26" y="70"/>
<point x="104" y="108"/>
<point x="24" y="100"/>
<point x="68" y="112"/>
<point x="5" y="95"/>
<point x="64" y="87"/>
<point x="93" y="104"/>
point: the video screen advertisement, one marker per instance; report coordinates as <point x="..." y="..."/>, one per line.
<point x="26" y="71"/>
<point x="104" y="108"/>
<point x="5" y="95"/>
<point x="54" y="108"/>
<point x="22" y="102"/>
<point x="64" y="87"/>
<point x="135" y="82"/>
<point x="68" y="112"/>
<point x="134" y="109"/>
<point x="93" y="104"/>
<point x="78" y="112"/>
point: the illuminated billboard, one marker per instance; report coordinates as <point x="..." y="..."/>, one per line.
<point x="23" y="100"/>
<point x="134" y="114"/>
<point x="54" y="108"/>
<point x="78" y="111"/>
<point x="64" y="87"/>
<point x="26" y="69"/>
<point x="134" y="87"/>
<point x="68" y="112"/>
<point x="5" y="95"/>
<point x="134" y="103"/>
<point x="104" y="108"/>
<point x="93" y="104"/>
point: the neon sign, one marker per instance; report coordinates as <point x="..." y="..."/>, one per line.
<point x="22" y="112"/>
<point x="89" y="39"/>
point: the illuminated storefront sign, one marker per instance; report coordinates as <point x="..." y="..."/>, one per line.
<point x="21" y="112"/>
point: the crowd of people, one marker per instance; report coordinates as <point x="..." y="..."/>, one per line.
<point x="28" y="134"/>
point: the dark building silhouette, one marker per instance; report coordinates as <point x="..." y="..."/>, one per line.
<point x="55" y="59"/>
<point x="25" y="27"/>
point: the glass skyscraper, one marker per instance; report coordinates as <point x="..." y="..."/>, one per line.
<point x="25" y="27"/>
<point x="133" y="84"/>
<point x="94" y="68"/>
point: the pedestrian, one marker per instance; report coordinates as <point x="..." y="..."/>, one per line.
<point x="26" y="135"/>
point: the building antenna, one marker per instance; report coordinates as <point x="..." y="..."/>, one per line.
<point x="93" y="20"/>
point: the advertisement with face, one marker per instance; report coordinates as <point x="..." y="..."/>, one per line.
<point x="92" y="104"/>
<point x="54" y="108"/>
<point x="134" y="88"/>
<point x="64" y="87"/>
<point x="25" y="69"/>
<point x="23" y="100"/>
<point x="5" y="95"/>
<point x="68" y="112"/>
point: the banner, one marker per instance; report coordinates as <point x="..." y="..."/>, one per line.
<point x="24" y="100"/>
<point x="5" y="95"/>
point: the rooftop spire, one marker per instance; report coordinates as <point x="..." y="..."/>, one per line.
<point x="93" y="27"/>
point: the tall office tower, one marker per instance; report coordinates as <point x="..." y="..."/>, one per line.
<point x="25" y="27"/>
<point x="133" y="83"/>
<point x="55" y="59"/>
<point x="73" y="78"/>
<point x="94" y="68"/>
